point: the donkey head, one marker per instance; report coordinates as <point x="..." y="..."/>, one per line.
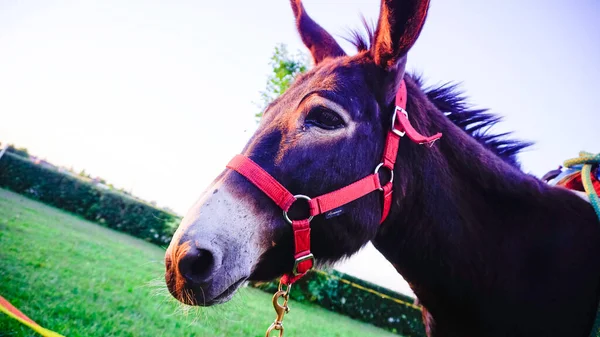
<point x="324" y="133"/>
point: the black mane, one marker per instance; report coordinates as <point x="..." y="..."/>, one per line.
<point x="450" y="100"/>
<point x="476" y="122"/>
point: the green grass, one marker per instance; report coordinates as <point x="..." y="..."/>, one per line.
<point x="81" y="279"/>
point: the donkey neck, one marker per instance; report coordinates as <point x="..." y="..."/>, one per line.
<point x="455" y="206"/>
<point x="446" y="194"/>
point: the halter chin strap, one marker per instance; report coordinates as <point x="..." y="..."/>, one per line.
<point x="304" y="259"/>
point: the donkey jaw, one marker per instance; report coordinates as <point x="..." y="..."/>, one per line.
<point x="214" y="250"/>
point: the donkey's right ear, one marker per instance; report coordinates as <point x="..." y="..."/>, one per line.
<point x="317" y="40"/>
<point x="399" y="25"/>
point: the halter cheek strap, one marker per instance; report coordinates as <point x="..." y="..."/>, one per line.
<point x="304" y="260"/>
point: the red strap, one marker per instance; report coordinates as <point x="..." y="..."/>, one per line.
<point x="264" y="181"/>
<point x="301" y="239"/>
<point x="344" y="195"/>
<point x="403" y="124"/>
<point x="387" y="201"/>
<point x="304" y="260"/>
<point x="390" y="151"/>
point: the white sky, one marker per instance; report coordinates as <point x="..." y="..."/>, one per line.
<point x="156" y="96"/>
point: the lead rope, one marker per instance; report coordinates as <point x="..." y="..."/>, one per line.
<point x="17" y="315"/>
<point x="587" y="161"/>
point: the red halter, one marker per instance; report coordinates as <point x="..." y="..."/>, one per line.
<point x="324" y="203"/>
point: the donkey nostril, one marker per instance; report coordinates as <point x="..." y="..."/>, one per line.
<point x="204" y="261"/>
<point x="197" y="265"/>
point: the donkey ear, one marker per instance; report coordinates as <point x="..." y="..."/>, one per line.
<point x="399" y="25"/>
<point x="317" y="40"/>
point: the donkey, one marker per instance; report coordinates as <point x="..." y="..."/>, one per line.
<point x="487" y="249"/>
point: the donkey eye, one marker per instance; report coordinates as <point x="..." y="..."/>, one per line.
<point x="324" y="118"/>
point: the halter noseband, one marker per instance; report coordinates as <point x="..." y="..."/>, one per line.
<point x="304" y="259"/>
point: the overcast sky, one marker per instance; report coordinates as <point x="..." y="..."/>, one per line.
<point x="157" y="96"/>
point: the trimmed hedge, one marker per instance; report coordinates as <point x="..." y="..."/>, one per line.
<point x="342" y="293"/>
<point x="111" y="209"/>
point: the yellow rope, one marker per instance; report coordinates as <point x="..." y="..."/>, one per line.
<point x="587" y="161"/>
<point x="399" y="301"/>
<point x="42" y="331"/>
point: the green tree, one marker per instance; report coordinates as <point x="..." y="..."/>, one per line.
<point x="285" y="69"/>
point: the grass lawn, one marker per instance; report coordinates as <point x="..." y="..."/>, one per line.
<point x="81" y="279"/>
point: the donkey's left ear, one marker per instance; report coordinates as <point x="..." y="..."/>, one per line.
<point x="320" y="43"/>
<point x="399" y="25"/>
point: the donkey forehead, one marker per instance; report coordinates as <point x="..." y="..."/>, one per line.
<point x="341" y="80"/>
